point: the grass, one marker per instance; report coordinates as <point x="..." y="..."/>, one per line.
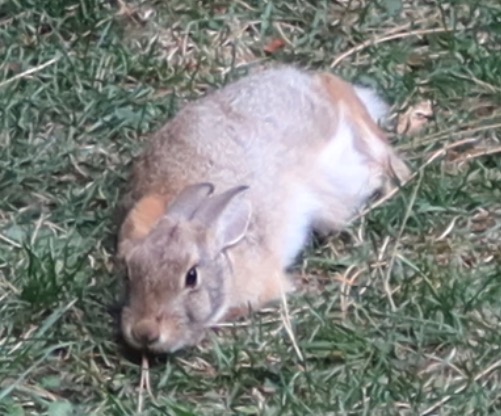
<point x="401" y="314"/>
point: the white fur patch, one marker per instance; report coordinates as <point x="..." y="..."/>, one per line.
<point x="350" y="176"/>
<point x="346" y="167"/>
<point x="302" y="208"/>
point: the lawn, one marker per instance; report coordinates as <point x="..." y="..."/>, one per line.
<point x="399" y="315"/>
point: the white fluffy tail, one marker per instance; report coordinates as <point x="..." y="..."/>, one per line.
<point x="376" y="106"/>
<point x="378" y="109"/>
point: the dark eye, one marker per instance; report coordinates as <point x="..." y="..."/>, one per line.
<point x="191" y="277"/>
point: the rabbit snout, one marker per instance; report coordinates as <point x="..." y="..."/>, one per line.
<point x="146" y="332"/>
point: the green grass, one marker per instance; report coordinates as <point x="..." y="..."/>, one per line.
<point x="418" y="330"/>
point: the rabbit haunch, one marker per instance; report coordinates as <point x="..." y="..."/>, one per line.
<point x="309" y="150"/>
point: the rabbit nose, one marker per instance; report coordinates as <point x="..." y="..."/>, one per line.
<point x="146" y="332"/>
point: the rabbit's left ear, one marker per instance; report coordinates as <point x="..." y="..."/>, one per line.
<point x="227" y="215"/>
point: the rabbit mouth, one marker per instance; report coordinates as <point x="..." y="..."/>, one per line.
<point x="160" y="337"/>
<point x="169" y="345"/>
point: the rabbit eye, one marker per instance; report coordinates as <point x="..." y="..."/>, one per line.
<point x="191" y="277"/>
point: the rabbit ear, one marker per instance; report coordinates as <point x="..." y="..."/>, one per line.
<point x="189" y="200"/>
<point x="228" y="217"/>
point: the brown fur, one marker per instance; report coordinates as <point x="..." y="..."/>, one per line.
<point x="145" y="214"/>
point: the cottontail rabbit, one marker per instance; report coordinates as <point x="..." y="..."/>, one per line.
<point x="227" y="192"/>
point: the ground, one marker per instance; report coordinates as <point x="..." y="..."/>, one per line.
<point x="399" y="315"/>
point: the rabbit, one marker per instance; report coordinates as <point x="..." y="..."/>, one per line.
<point x="225" y="195"/>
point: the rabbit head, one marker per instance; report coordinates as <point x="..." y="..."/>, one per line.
<point x="179" y="276"/>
